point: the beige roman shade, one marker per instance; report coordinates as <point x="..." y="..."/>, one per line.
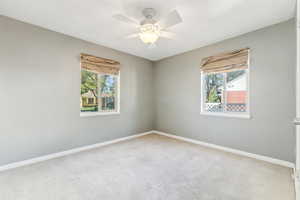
<point x="226" y="61"/>
<point x="99" y="65"/>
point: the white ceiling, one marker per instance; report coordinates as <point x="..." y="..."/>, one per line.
<point x="204" y="21"/>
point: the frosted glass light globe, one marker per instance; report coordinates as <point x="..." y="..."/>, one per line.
<point x="149" y="33"/>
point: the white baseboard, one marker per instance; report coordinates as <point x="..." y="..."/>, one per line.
<point x="297" y="189"/>
<point x="297" y="183"/>
<point x="94" y="146"/>
<point x="234" y="151"/>
<point x="67" y="152"/>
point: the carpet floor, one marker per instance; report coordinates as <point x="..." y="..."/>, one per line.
<point x="151" y="167"/>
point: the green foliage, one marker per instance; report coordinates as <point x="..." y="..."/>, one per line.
<point x="212" y="83"/>
<point x="104" y="85"/>
<point x="89" y="109"/>
<point x="213" y="96"/>
<point x="88" y="82"/>
<point x="215" y="82"/>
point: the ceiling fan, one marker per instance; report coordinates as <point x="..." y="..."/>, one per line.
<point x="151" y="30"/>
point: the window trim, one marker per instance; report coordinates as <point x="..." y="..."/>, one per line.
<point x="246" y="115"/>
<point x="227" y="115"/>
<point x="93" y="114"/>
<point x="105" y="113"/>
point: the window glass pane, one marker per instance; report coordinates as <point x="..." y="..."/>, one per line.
<point x="236" y="91"/>
<point x="108" y="92"/>
<point x="214" y="87"/>
<point x="89" y="91"/>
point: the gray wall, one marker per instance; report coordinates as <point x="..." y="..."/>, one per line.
<point x="40" y="92"/>
<point x="272" y="95"/>
<point x="40" y="81"/>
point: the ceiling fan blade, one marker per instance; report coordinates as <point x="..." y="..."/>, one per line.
<point x="134" y="35"/>
<point x="125" y="19"/>
<point x="171" y="20"/>
<point x="166" y="34"/>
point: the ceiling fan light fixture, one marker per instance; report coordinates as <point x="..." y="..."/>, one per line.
<point x="149" y="33"/>
<point x="151" y="30"/>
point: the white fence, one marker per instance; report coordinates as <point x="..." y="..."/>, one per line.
<point x="220" y="107"/>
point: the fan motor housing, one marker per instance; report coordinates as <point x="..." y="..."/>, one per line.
<point x="149" y="13"/>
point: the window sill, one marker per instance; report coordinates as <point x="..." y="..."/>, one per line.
<point x="98" y="114"/>
<point x="244" y="116"/>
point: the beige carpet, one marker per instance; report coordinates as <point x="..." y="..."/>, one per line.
<point x="149" y="168"/>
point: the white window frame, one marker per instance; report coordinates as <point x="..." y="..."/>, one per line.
<point x="104" y="113"/>
<point x="245" y="115"/>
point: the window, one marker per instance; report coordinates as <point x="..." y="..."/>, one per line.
<point x="99" y="86"/>
<point x="225" y="84"/>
